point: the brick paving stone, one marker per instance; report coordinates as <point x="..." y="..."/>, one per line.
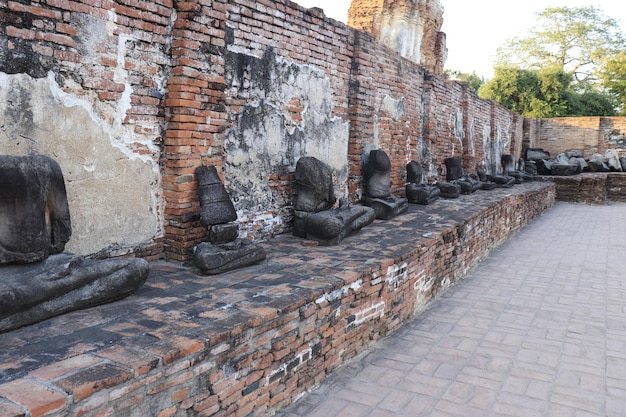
<point x="537" y="329"/>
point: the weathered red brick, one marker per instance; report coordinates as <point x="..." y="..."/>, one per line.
<point x="91" y="380"/>
<point x="37" y="398"/>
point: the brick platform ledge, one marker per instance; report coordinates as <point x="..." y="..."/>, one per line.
<point x="250" y="341"/>
<point x="589" y="188"/>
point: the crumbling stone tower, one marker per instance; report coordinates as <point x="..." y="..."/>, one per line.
<point x="410" y="27"/>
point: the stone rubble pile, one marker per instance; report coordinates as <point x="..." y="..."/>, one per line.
<point x="539" y="162"/>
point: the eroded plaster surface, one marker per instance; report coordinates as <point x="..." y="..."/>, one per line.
<point x="410" y="27"/>
<point x="496" y="146"/>
<point x="114" y="194"/>
<point x="287" y="115"/>
<point x="487" y="148"/>
<point x="457" y="131"/>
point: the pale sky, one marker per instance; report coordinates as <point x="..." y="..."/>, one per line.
<point x="475" y="29"/>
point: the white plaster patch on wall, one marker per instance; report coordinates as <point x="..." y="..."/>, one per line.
<point x="396" y="275"/>
<point x="426" y="157"/>
<point x="113" y="132"/>
<point x="395" y="107"/>
<point x="456" y="127"/>
<point x="290" y="366"/>
<point x="487" y="148"/>
<point x="376" y="135"/>
<point x="502" y="143"/>
<point x="113" y="193"/>
<point x="120" y="75"/>
<point x="368" y="313"/>
<point x="472" y="138"/>
<point x="459" y="132"/>
<point x="424" y="284"/>
<point x="339" y="293"/>
<point x="408" y="149"/>
<point x="240" y="50"/>
<point x="423" y="287"/>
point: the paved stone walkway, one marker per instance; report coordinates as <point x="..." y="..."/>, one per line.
<point x="538" y="329"/>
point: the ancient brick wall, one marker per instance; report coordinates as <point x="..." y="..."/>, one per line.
<point x="83" y="82"/>
<point x="478" y="132"/>
<point x="386" y="111"/>
<point x="287" y="76"/>
<point x="589" y="188"/>
<point x="138" y="94"/>
<point x="587" y="134"/>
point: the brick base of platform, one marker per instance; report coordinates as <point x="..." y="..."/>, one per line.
<point x="249" y="342"/>
<point x="590" y="188"/>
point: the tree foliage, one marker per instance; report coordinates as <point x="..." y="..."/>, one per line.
<point x="574" y="39"/>
<point x="572" y="63"/>
<point x="473" y="80"/>
<point x="543" y="93"/>
<point x="613" y="77"/>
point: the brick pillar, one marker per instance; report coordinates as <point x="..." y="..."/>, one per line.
<point x="195" y="116"/>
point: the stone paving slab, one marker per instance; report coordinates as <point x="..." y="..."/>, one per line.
<point x="537" y="329"/>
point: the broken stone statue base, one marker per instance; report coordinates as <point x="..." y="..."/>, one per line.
<point x="422" y="194"/>
<point x="214" y="259"/>
<point x="329" y="227"/>
<point x="62" y="283"/>
<point x="388" y="207"/>
<point x="449" y="189"/>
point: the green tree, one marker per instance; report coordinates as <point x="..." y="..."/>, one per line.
<point x="589" y="103"/>
<point x="473" y="80"/>
<point x="574" y="39"/>
<point x="544" y="93"/>
<point x="575" y="59"/>
<point x="613" y="78"/>
<point x="531" y="93"/>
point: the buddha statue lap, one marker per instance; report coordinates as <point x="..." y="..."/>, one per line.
<point x="378" y="187"/>
<point x="449" y="189"/>
<point x="317" y="215"/>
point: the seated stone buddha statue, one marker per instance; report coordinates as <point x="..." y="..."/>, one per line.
<point x="456" y="175"/>
<point x="317" y="215"/>
<point x="37" y="280"/>
<point x="224" y="251"/>
<point x="378" y="187"/>
<point x="416" y="191"/>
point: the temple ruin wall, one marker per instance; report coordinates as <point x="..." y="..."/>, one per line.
<point x="588" y="134"/>
<point x="130" y="97"/>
